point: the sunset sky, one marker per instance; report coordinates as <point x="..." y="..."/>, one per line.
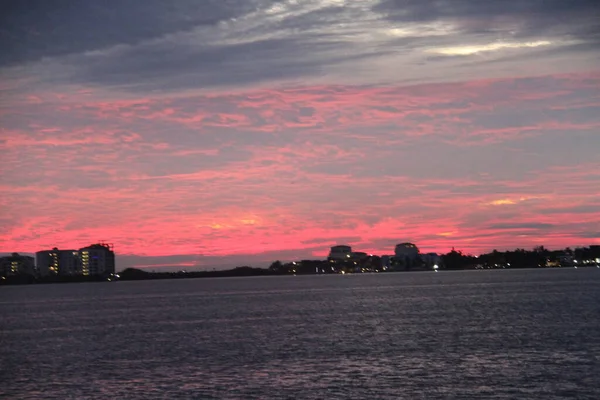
<point x="214" y="133"/>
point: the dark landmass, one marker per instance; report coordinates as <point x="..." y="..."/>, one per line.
<point x="134" y="274"/>
<point x="539" y="257"/>
<point x="29" y="279"/>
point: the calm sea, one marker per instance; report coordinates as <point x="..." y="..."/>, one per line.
<point x="532" y="334"/>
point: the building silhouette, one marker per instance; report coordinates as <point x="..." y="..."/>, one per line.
<point x="58" y="262"/>
<point x="408" y="250"/>
<point x="97" y="260"/>
<point x="406" y="256"/>
<point x="16" y="264"/>
<point x="94" y="260"/>
<point x="340" y="253"/>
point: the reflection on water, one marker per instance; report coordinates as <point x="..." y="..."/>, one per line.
<point x="484" y="334"/>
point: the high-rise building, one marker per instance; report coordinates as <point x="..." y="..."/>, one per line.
<point x="47" y="262"/>
<point x="97" y="260"/>
<point x="16" y="264"/>
<point x="69" y="263"/>
<point x="58" y="262"/>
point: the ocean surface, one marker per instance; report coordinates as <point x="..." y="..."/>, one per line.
<point x="503" y="334"/>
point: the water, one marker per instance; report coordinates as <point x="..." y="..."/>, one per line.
<point x="531" y="334"/>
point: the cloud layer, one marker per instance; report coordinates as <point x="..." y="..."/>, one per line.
<point x="183" y="45"/>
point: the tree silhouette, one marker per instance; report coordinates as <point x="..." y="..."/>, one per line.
<point x="276" y="266"/>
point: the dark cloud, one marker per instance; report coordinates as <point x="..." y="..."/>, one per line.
<point x="32" y="29"/>
<point x="173" y="67"/>
<point x="590" y="235"/>
<point x="523" y="225"/>
<point x="387" y="243"/>
<point x="521" y="18"/>
<point x="326" y="241"/>
<point x="158" y="46"/>
<point x="580" y="209"/>
<point x="428" y="10"/>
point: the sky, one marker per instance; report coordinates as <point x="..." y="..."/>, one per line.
<point x="214" y="133"/>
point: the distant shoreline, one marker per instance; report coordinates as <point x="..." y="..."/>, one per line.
<point x="133" y="274"/>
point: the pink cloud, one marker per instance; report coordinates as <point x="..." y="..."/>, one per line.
<point x="269" y="171"/>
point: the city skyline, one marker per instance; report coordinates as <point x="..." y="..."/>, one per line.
<point x="237" y="133"/>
